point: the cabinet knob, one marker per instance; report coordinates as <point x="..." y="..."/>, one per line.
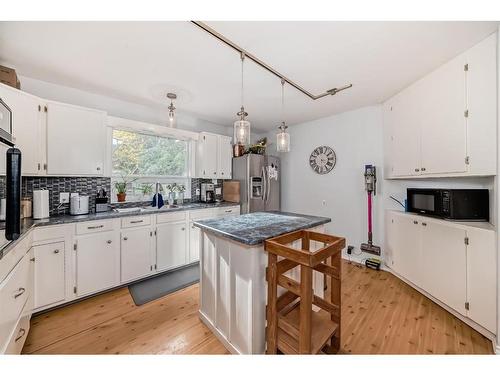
<point x="222" y="173"/>
<point x="32" y="259"/>
<point x="125" y="238"/>
<point x="56" y="251"/>
<point x="415" y="222"/>
<point x="424" y="224"/>
<point x="422" y="169"/>
<point x="109" y="241"/>
<point x="215" y="172"/>
<point x="183" y="228"/>
<point x="417" y="170"/>
<point x="98" y="168"/>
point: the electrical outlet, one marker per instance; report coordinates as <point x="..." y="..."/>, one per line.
<point x="218" y="191"/>
<point x="63" y="197"/>
<point x="198" y="192"/>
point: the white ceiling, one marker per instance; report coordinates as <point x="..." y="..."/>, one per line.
<point x="142" y="61"/>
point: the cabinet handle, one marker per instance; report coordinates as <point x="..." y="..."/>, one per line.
<point x="422" y="169"/>
<point x="96" y="227"/>
<point x="32" y="259"/>
<point x="228" y="211"/>
<point x="109" y="241"/>
<point x="125" y="238"/>
<point x="424" y="224"/>
<point x="136" y="221"/>
<point x="222" y="172"/>
<point x="98" y="168"/>
<point x="415" y="222"/>
<point x="39" y="166"/>
<point x="44" y="166"/>
<point x="215" y="172"/>
<point x="20" y="292"/>
<point x="56" y="251"/>
<point x="21" y="334"/>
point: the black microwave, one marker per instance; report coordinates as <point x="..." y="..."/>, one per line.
<point x="453" y="204"/>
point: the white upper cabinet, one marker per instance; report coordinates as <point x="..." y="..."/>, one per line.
<point x="225" y="157"/>
<point x="27" y="128"/>
<point x="76" y="140"/>
<point x="445" y="123"/>
<point x="213" y="156"/>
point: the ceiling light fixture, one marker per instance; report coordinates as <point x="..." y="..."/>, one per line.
<point x="283" y="138"/>
<point x="172" y="121"/>
<point x="242" y="126"/>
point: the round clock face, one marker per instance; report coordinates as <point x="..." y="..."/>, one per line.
<point x="322" y="159"/>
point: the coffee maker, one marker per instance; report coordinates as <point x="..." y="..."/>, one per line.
<point x="208" y="193"/>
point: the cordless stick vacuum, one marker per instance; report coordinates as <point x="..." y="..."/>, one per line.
<point x="370" y="186"/>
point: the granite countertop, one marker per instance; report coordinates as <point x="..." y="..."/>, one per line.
<point x="29" y="223"/>
<point x="255" y="228"/>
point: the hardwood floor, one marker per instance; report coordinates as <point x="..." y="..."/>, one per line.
<point x="380" y="315"/>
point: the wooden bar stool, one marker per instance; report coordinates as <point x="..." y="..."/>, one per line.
<point x="292" y="325"/>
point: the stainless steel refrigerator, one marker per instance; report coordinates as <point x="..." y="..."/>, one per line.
<point x="260" y="182"/>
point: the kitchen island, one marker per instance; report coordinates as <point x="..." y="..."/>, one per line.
<point x="233" y="263"/>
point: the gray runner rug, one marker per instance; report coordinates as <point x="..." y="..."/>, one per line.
<point x="156" y="287"/>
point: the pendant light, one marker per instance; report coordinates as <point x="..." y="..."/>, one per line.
<point x="242" y="126"/>
<point x="172" y="121"/>
<point x="283" y="138"/>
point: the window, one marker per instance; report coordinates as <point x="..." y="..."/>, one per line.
<point x="137" y="154"/>
<point x="143" y="159"/>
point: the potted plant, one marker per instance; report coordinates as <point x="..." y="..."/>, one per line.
<point x="121" y="188"/>
<point x="147" y="190"/>
<point x="179" y="193"/>
<point x="169" y="191"/>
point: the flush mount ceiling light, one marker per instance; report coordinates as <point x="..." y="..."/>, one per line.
<point x="233" y="45"/>
<point x="172" y="121"/>
<point x="283" y="138"/>
<point x="242" y="126"/>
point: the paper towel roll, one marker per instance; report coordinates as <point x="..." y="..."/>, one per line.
<point x="40" y="204"/>
<point x="3" y="205"/>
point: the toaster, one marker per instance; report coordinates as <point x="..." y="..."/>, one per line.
<point x="79" y="204"/>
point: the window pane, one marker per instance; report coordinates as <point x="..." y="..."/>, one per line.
<point x="139" y="154"/>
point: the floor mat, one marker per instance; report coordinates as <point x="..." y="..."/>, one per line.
<point x="156" y="287"/>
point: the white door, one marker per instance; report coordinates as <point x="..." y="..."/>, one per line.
<point x="482" y="277"/>
<point x="403" y="116"/>
<point x="444" y="139"/>
<point x="207" y="157"/>
<point x="444" y="263"/>
<point x="225" y="157"/>
<point x="76" y="140"/>
<point x="26" y="127"/>
<point x="50" y="280"/>
<point x="194" y="243"/>
<point x="408" y="244"/>
<point x="97" y="262"/>
<point x="136" y="259"/>
<point x="171" y="245"/>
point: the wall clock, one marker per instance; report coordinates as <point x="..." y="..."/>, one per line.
<point x="322" y="159"/>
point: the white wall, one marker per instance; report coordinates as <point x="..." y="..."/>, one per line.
<point x="356" y="138"/>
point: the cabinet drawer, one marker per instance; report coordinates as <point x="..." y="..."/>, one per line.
<point x="14" y="293"/>
<point x="50" y="233"/>
<point x="170" y="217"/>
<point x="16" y="343"/>
<point x="9" y="261"/>
<point x="223" y="211"/>
<point x="136" y="221"/>
<point x="94" y="226"/>
<point x="203" y="214"/>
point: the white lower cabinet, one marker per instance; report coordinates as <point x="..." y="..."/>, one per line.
<point x="171" y="245"/>
<point x="50" y="280"/>
<point x="194" y="243"/>
<point x="136" y="254"/>
<point x="453" y="262"/>
<point x="97" y="262"/>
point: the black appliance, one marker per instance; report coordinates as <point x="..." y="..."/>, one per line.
<point x="453" y="204"/>
<point x="13" y="195"/>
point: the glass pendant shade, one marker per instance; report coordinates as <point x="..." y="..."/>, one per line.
<point x="172" y="120"/>
<point x="242" y="132"/>
<point x="283" y="139"/>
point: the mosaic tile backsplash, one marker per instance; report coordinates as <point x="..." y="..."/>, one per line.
<point x="85" y="186"/>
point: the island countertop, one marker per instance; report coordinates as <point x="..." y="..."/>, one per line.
<point x="255" y="228"/>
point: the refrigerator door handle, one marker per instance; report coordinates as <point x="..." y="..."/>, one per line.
<point x="268" y="184"/>
<point x="264" y="182"/>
